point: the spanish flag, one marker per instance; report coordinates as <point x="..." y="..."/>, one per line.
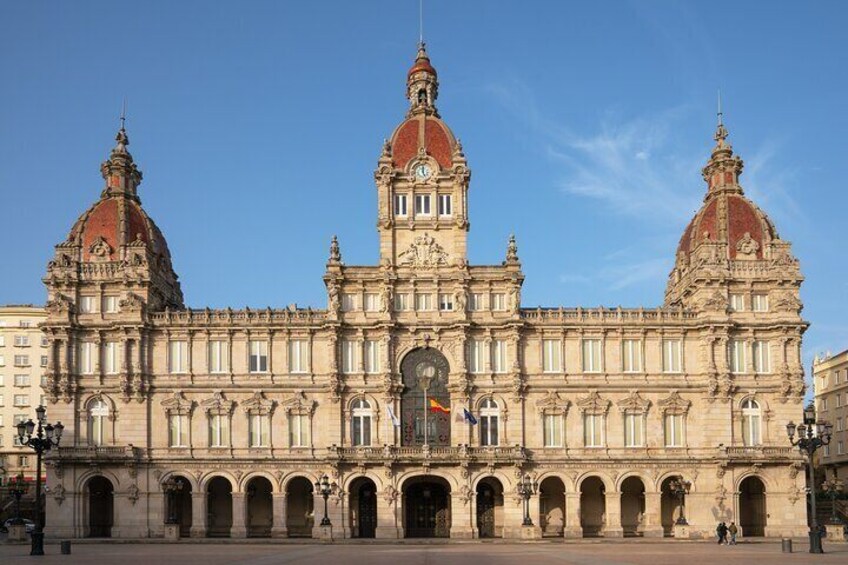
<point x="436" y="407"/>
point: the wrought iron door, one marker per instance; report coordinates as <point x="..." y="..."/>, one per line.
<point x="486" y="511"/>
<point x="417" y="366"/>
<point x="427" y="511"/>
<point x="367" y="512"/>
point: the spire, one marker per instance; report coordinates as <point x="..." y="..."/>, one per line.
<point x="723" y="169"/>
<point x="119" y="171"/>
<point x="422" y="85"/>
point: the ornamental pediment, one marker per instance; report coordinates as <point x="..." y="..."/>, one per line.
<point x="552" y="403"/>
<point x="258" y="403"/>
<point x="177" y="402"/>
<point x="634" y="403"/>
<point x="423" y="253"/>
<point x="593" y="403"/>
<point x="218" y="404"/>
<point x="299" y="404"/>
<point x="674" y="403"/>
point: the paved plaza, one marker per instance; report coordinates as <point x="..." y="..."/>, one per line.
<point x="571" y="553"/>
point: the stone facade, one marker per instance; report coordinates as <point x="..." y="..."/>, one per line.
<point x="600" y="407"/>
<point x="830" y="383"/>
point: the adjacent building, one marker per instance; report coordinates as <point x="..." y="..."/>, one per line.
<point x="423" y="389"/>
<point x="830" y="383"/>
<point x="23" y="359"/>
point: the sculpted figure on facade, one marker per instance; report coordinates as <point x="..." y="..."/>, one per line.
<point x="424" y="253"/>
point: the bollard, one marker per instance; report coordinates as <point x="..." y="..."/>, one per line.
<point x="786" y="545"/>
<point x="66" y="547"/>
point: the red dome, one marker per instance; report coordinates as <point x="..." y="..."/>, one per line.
<point x="439" y="142"/>
<point x="421" y="65"/>
<point x="728" y="217"/>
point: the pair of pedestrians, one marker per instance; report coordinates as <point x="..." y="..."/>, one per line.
<point x="723" y="530"/>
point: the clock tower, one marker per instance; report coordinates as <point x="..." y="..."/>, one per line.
<point x="422" y="182"/>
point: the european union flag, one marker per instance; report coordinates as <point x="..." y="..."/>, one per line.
<point x="469" y="417"/>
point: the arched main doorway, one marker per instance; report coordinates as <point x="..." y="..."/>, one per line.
<point x="363" y="508"/>
<point x="752" y="507"/>
<point x="669" y="507"/>
<point x="593" y="506"/>
<point x="300" y="513"/>
<point x="219" y="508"/>
<point x="101" y="506"/>
<point x="552" y="507"/>
<point x="260" y="508"/>
<point x="178" y="506"/>
<point x="490" y="508"/>
<point x="425" y="367"/>
<point x="632" y="506"/>
<point x="427" y="508"/>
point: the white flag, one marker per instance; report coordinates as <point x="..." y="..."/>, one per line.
<point x="392" y="417"/>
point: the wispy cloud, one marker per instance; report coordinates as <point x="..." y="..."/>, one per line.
<point x="618" y="276"/>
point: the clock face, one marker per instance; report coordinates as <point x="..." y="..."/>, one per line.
<point x="422" y="171"/>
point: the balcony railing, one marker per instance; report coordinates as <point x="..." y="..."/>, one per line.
<point x="95" y="452"/>
<point x="404" y="454"/>
<point x="760" y="452"/>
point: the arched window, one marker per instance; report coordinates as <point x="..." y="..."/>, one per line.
<point x="489" y="414"/>
<point x="98" y="418"/>
<point x="751" y="418"/>
<point x="361" y="422"/>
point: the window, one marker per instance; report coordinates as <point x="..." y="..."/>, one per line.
<point x="298" y="430"/>
<point x="673" y="430"/>
<point x="87" y="355"/>
<point x="21" y="360"/>
<point x="827" y="450"/>
<point x="178" y="427"/>
<point x="348" y="302"/>
<point x="591" y="356"/>
<point x="489" y="414"/>
<point x="593" y="425"/>
<point x="551" y="355"/>
<point x="423" y="302"/>
<point x="21" y="341"/>
<point x="218" y="356"/>
<point x="361" y="423"/>
<point x="18" y="418"/>
<point x="21" y="400"/>
<point x="44" y="359"/>
<point x="737" y="302"/>
<point x="23" y="461"/>
<point x="737" y="356"/>
<point x="21" y="380"/>
<point x="553" y="430"/>
<point x="838" y="400"/>
<point x="2" y="341"/>
<point x="44" y="341"/>
<point x="110" y="357"/>
<point x="631" y="356"/>
<point x="671" y="356"/>
<point x="177" y="360"/>
<point x="372" y="302"/>
<point x="634" y="432"/>
<point x="445" y="208"/>
<point x="446" y="302"/>
<point x="2" y="360"/>
<point x="258" y="362"/>
<point x="762" y="362"/>
<point x="2" y="401"/>
<point x="401" y="302"/>
<point x="840" y="447"/>
<point x="499" y="356"/>
<point x="475" y="356"/>
<point x="759" y="302"/>
<point x="110" y="304"/>
<point x="98" y="416"/>
<point x="372" y="356"/>
<point x="400" y="205"/>
<point x="422" y="205"/>
<point x="839" y="425"/>
<point x="44" y="382"/>
<point x="219" y="430"/>
<point x="298" y="356"/>
<point x="751" y="422"/>
<point x="349" y="356"/>
<point x="824" y="403"/>
<point x="475" y="303"/>
<point x="258" y="434"/>
<point x="87" y="304"/>
<point x="498" y="301"/>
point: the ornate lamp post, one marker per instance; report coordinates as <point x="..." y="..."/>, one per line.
<point x="811" y="436"/>
<point x="527" y="488"/>
<point x="680" y="488"/>
<point x="47" y="436"/>
<point x="325" y="488"/>
<point x="172" y="487"/>
<point x="17" y="488"/>
<point x="833" y="488"/>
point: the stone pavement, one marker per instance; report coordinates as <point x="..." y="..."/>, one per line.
<point x="488" y="553"/>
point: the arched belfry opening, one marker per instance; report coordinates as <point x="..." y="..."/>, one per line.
<point x="425" y="382"/>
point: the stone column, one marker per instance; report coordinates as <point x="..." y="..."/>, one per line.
<point x="278" y="529"/>
<point x="198" y="514"/>
<point x="388" y="515"/>
<point x="461" y="517"/>
<point x="612" y="523"/>
<point x="652" y="521"/>
<point x="239" y="528"/>
<point x="572" y="527"/>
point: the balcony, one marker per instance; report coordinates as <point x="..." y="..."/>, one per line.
<point x="756" y="452"/>
<point x="421" y="455"/>
<point x="94" y="454"/>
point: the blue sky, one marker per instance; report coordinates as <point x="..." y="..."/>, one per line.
<point x="258" y="124"/>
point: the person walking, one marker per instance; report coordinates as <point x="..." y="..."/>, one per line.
<point x="721" y="532"/>
<point x="732" y="530"/>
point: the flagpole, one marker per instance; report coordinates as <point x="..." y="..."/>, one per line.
<point x="426" y="409"/>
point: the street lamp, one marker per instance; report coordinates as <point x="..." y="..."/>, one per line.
<point x="811" y="436"/>
<point x="680" y="488"/>
<point x="172" y="487"/>
<point x="833" y="488"/>
<point x="47" y="436"/>
<point x="527" y="488"/>
<point x="17" y="488"/>
<point x="325" y="488"/>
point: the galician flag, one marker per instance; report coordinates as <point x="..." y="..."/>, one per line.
<point x="436" y="407"/>
<point x="392" y="417"/>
